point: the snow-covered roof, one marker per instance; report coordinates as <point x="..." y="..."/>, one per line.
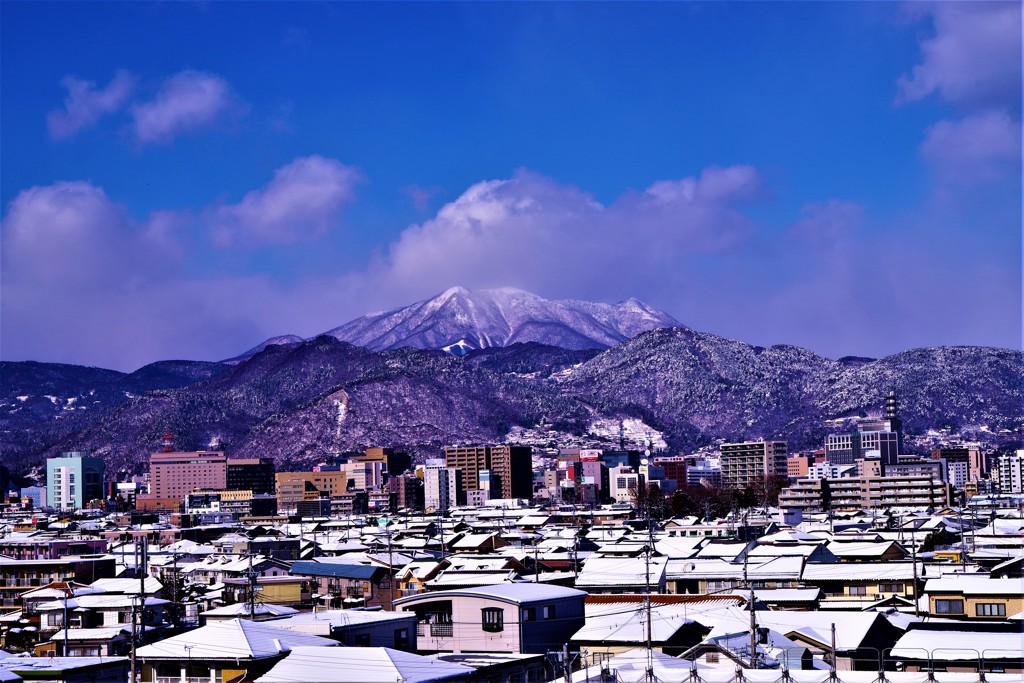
<point x="862" y="571"/>
<point x="815" y="626"/>
<point x="621" y="571"/>
<point x="516" y="593"/>
<point x="957" y="645"/>
<point x="241" y="610"/>
<point x="233" y="639"/>
<point x="975" y="586"/>
<point x="787" y="594"/>
<point x="89" y="634"/>
<point x="628" y="623"/>
<point x="362" y="665"/>
<point x="861" y="548"/>
<point x="100" y="601"/>
<point x="151" y="585"/>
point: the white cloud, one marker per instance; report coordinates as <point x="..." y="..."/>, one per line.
<point x="85" y="104"/>
<point x="534" y="232"/>
<point x="187" y="101"/>
<point x="974" y="58"/>
<point x="303" y="200"/>
<point x="984" y="147"/>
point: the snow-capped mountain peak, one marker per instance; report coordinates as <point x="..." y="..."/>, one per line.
<point x="462" y="319"/>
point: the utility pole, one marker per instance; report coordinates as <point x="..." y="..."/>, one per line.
<point x="917" y="597"/>
<point x="134" y="662"/>
<point x="647" y="599"/>
<point x="391" y="570"/>
<point x="833" y="662"/>
<point x="750" y="606"/>
<point x="67" y="590"/>
<point x="252" y="589"/>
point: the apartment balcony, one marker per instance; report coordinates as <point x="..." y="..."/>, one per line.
<point x="434" y="630"/>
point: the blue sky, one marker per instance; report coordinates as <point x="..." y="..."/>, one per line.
<point x="185" y="180"/>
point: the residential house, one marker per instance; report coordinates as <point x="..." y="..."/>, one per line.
<point x="226" y="651"/>
<point x="973" y="598"/>
<point x="348" y="585"/>
<point x="513" y="617"/>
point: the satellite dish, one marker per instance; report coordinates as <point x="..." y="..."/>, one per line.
<point x="647" y="452"/>
<point x="644" y="461"/>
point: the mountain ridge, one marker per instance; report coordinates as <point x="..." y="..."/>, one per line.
<point x="300" y="400"/>
<point x="299" y="403"/>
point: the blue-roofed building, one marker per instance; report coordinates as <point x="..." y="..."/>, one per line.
<point x="342" y="585"/>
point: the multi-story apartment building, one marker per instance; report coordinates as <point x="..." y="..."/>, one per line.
<point x="750" y="462"/>
<point x="511" y="468"/>
<point x="797" y="465"/>
<point x="912" y="466"/>
<point x="175" y="474"/>
<point x="470" y="460"/>
<point x="73" y="480"/>
<point x="295" y="487"/>
<point x="442" y="487"/>
<point x="964" y="463"/>
<point x="1011" y="473"/>
<point x="855" y="493"/>
<point x="407" y="490"/>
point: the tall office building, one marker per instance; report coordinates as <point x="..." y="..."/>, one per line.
<point x="251" y="474"/>
<point x="883" y="435"/>
<point x="73" y="480"/>
<point x="748" y="463"/>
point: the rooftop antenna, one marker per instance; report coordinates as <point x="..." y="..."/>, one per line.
<point x="168" y="442"/>
<point x="622" y="435"/>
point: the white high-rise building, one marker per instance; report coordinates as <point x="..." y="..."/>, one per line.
<point x="1011" y="473"/>
<point x="441" y="487"/>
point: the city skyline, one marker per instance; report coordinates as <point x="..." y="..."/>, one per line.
<point x="186" y="180"/>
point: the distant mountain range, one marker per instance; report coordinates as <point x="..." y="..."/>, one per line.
<point x="524" y="363"/>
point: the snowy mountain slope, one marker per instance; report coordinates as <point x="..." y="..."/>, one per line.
<point x="500" y="317"/>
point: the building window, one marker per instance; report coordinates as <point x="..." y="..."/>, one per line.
<point x="530" y="614"/>
<point x="890" y="588"/>
<point x="858" y="590"/>
<point x="949" y="606"/>
<point x="493" y="619"/>
<point x="549" y="612"/>
<point x="990" y="609"/>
